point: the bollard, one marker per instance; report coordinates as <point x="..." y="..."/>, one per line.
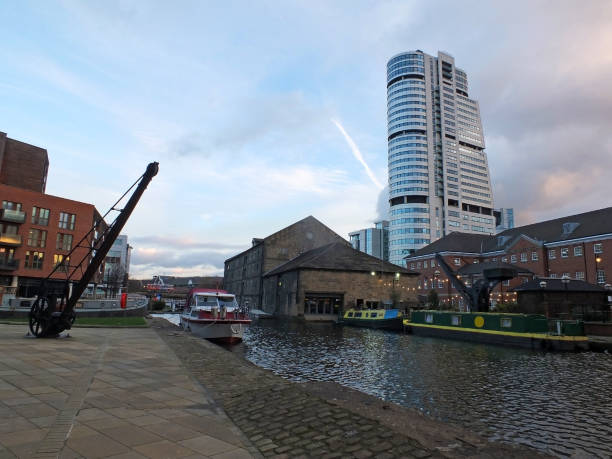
<point x="123" y="300"/>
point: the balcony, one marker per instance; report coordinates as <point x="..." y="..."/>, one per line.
<point x="12" y="216"/>
<point x="8" y="264"/>
<point x="10" y="239"/>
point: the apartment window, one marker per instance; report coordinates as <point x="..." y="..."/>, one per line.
<point x="567" y="275"/>
<point x="10" y="205"/>
<point x="66" y="221"/>
<point x="551" y="254"/>
<point x="411" y="265"/>
<point x="58" y="258"/>
<point x="457" y="261"/>
<point x="506" y="283"/>
<point x="63" y="241"/>
<point x="534" y="256"/>
<point x="37" y="238"/>
<point x="597" y="248"/>
<point x="580" y="275"/>
<point x="553" y="275"/>
<point x="564" y="252"/>
<point x="40" y="216"/>
<point x="512" y="258"/>
<point x="601" y="276"/>
<point x="418" y="264"/>
<point x="433" y="263"/>
<point x="425" y="264"/>
<point x="504" y="259"/>
<point x="578" y="251"/>
<point x="524" y="257"/>
<point x="34" y="260"/>
<point x="440" y="284"/>
<point x="494" y="259"/>
<point x="475" y="262"/>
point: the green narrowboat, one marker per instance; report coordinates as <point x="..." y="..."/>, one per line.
<point x="388" y="319"/>
<point x="532" y="331"/>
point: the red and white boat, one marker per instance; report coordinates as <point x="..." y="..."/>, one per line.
<point x="215" y="315"/>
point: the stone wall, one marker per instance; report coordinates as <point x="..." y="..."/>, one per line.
<point x="284" y="294"/>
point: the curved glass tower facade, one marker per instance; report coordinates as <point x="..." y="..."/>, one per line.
<point x="438" y="171"/>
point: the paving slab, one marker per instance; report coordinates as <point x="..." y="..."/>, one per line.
<point x="106" y="393"/>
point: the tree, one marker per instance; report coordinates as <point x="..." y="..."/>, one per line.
<point x="433" y="299"/>
<point x="115" y="280"/>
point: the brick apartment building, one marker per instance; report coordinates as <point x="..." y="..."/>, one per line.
<point x="578" y="246"/>
<point x="37" y="230"/>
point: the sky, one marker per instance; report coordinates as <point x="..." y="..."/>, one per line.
<point x="262" y="113"/>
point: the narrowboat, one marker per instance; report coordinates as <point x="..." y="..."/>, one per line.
<point x="533" y="331"/>
<point x="388" y="319"/>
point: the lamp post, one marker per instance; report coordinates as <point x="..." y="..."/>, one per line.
<point x="565" y="279"/>
<point x="597" y="261"/>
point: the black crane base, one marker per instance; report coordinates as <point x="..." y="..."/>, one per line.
<point x="47" y="323"/>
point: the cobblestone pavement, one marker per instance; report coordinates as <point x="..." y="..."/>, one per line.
<point x="282" y="419"/>
<point x="118" y="393"/>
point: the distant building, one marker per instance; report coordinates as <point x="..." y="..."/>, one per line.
<point x="578" y="247"/>
<point x="504" y="219"/>
<point x="117" y="263"/>
<point x="373" y="241"/>
<point x="243" y="274"/>
<point x="322" y="282"/>
<point x="23" y="165"/>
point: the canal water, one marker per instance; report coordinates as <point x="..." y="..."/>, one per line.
<point x="559" y="403"/>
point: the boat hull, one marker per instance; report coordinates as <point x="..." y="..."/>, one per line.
<point x="534" y="341"/>
<point x="222" y="331"/>
<point x="385" y="324"/>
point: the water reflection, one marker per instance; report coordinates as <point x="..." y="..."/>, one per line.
<point x="555" y="402"/>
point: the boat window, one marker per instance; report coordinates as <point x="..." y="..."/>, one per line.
<point x="456" y="320"/>
<point x="205" y="300"/>
<point x="506" y="322"/>
<point x="357" y="314"/>
<point x="350" y="314"/>
<point x="429" y="318"/>
<point x="229" y="302"/>
<point x="194" y="313"/>
<point x="374" y="314"/>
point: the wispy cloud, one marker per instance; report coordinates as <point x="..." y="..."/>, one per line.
<point x="357" y="153"/>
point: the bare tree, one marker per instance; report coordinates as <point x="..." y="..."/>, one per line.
<point x="115" y="280"/>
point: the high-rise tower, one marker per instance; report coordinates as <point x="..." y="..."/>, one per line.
<point x="438" y="171"/>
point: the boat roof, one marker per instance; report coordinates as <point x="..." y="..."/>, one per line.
<point x="209" y="292"/>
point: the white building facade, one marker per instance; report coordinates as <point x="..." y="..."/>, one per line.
<point x="439" y="178"/>
<point x="117" y="261"/>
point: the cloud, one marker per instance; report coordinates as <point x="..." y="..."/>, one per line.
<point x="355" y="149"/>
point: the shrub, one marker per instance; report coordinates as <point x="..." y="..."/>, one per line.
<point x="158" y="305"/>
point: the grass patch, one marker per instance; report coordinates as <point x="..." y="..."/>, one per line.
<point x="90" y="321"/>
<point x="111" y="321"/>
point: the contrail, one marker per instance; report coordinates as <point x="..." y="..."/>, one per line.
<point x="357" y="153"/>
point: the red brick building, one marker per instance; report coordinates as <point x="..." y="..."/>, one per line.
<point x="578" y="246"/>
<point x="23" y="165"/>
<point x="37" y="230"/>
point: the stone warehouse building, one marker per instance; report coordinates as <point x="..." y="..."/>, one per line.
<point x="243" y="273"/>
<point x="319" y="284"/>
<point x="578" y="247"/>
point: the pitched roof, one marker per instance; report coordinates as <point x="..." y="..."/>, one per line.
<point x="454" y="242"/>
<point x="577" y="226"/>
<point x="556" y="285"/>
<point x="338" y="256"/>
<point x="257" y="241"/>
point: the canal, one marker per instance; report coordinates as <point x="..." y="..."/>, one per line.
<point x="559" y="403"/>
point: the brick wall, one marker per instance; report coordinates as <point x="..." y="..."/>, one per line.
<point x="85" y="214"/>
<point x="23" y="165"/>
